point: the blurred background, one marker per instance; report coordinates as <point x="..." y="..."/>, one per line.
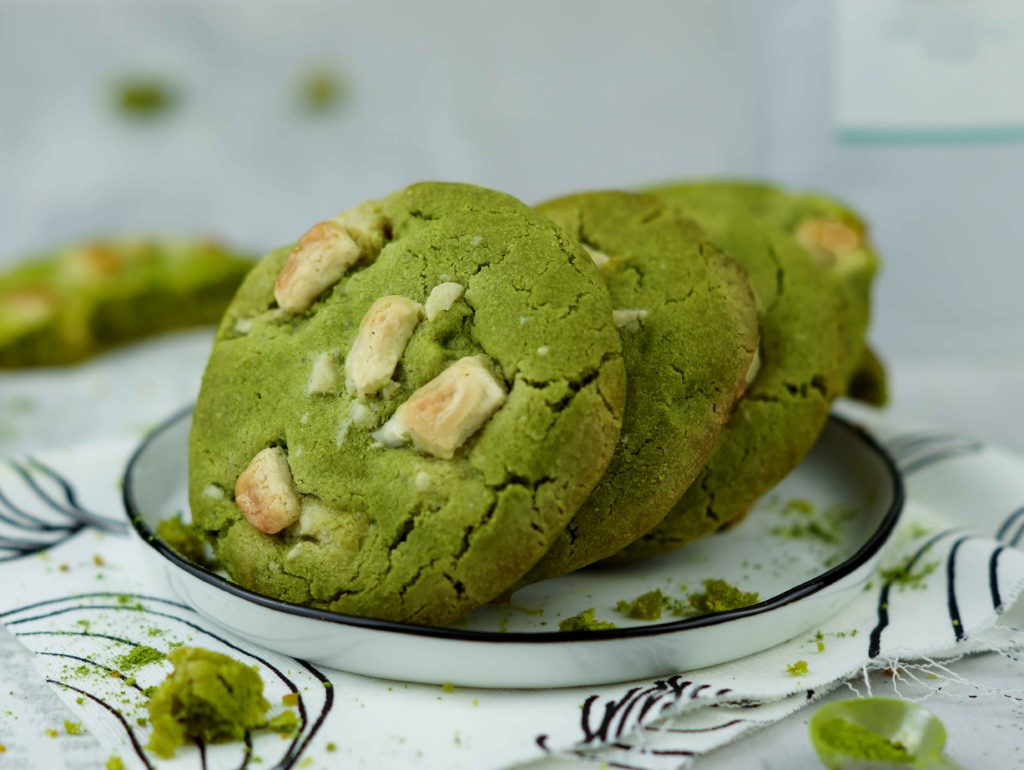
<point x="251" y="120"/>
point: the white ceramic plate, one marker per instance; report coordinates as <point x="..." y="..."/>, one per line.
<point x="801" y="578"/>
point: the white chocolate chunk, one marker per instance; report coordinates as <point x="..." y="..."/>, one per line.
<point x="630" y="318"/>
<point x="828" y="240"/>
<point x="543" y="350"/>
<point x="441" y="298"/>
<point x="755" y="368"/>
<point x="383" y="334"/>
<point x="319" y="260"/>
<point x="359" y="415"/>
<point x="440" y="416"/>
<point x="314" y="516"/>
<point x="214" y="492"/>
<point x="265" y="492"/>
<point x="324" y="377"/>
<point x="422" y="481"/>
<point x="600" y="258"/>
<point x="362" y="415"/>
<point x="243" y="325"/>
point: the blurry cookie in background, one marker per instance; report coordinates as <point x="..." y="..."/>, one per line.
<point x="782" y="413"/>
<point x="686" y="315"/>
<point x="833" y="234"/>
<point x="87" y="297"/>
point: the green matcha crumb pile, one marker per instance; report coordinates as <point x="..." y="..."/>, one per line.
<point x="720" y="596"/>
<point x="209" y="697"/>
<point x="585" y="621"/>
<point x="647" y="606"/>
<point x="140" y="656"/>
<point x="186" y="539"/>
<point x="858" y="742"/>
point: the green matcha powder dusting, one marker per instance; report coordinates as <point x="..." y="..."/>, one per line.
<point x="858" y="742"/>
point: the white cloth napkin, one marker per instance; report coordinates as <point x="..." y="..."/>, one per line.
<point x="79" y="595"/>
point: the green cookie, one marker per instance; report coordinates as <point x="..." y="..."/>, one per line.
<point x="686" y="315"/>
<point x="833" y="234"/>
<point x="401" y="413"/>
<point x="91" y="296"/>
<point x="783" y="412"/>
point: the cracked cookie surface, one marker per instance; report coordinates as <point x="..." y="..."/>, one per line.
<point x="686" y="315"/>
<point x="783" y="411"/>
<point x="834" y="235"/>
<point x="438" y="463"/>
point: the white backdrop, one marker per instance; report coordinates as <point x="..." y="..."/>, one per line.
<point x="535" y="97"/>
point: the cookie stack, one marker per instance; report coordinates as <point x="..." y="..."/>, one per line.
<point x="434" y="398"/>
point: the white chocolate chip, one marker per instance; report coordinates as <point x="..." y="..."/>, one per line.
<point x="422" y="481"/>
<point x="265" y="492"/>
<point x="324" y="377"/>
<point x="543" y="350"/>
<point x="441" y="298"/>
<point x="476" y="240"/>
<point x="362" y="415"/>
<point x="630" y="318"/>
<point x="383" y="334"/>
<point x="523" y="319"/>
<point x="243" y="325"/>
<point x="314" y="516"/>
<point x="600" y="258"/>
<point x="755" y="368"/>
<point x="305" y="418"/>
<point x="214" y="492"/>
<point x="440" y="416"/>
<point x="296" y="452"/>
<point x="319" y="260"/>
<point x="828" y="240"/>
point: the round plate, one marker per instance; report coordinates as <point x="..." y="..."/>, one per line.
<point x="806" y="549"/>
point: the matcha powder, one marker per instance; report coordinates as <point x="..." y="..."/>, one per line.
<point x="860" y="743"/>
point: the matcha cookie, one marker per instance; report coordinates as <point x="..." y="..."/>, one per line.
<point x="783" y="412"/>
<point x="686" y="316"/>
<point x="401" y="413"/>
<point x="829" y="231"/>
<point x="88" y="297"/>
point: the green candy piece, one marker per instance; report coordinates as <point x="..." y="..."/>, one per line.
<point x="384" y="510"/>
<point x="689" y="338"/>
